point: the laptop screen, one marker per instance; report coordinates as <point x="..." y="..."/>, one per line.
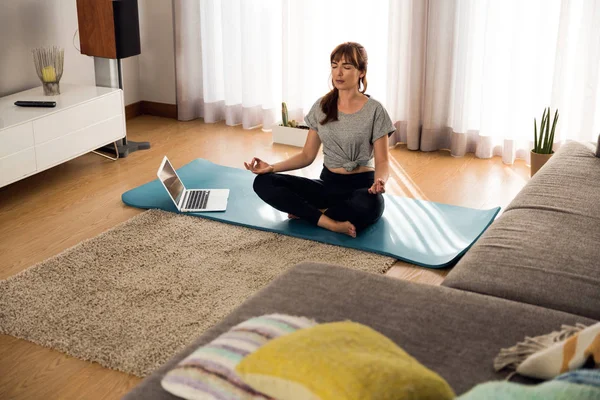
<point x="169" y="178"/>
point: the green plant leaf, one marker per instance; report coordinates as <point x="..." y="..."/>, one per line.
<point x="541" y="137"/>
<point x="542" y="133"/>
<point x="547" y="143"/>
<point x="535" y="149"/>
<point x="284" y="113"/>
<point x="545" y="135"/>
<point x="554" y="123"/>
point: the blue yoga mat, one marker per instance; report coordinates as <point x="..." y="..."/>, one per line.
<point x="424" y="233"/>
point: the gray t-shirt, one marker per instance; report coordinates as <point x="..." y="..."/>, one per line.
<point x="348" y="142"/>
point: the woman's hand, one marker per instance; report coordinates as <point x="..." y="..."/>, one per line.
<point x="377" y="187"/>
<point x="258" y="166"/>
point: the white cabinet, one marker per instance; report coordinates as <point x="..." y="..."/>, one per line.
<point x="17" y="166"/>
<point x="34" y="139"/>
<point x="15" y="139"/>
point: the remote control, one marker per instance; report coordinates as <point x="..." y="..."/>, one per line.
<point x="35" y="103"/>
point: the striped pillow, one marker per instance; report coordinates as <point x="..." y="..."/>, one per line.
<point x="209" y="372"/>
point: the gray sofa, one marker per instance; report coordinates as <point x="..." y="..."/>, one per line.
<point x="536" y="268"/>
<point x="545" y="249"/>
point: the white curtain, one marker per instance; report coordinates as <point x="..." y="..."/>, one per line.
<point x="464" y="75"/>
<point x="492" y="66"/>
<point x="407" y="38"/>
<point x="238" y="60"/>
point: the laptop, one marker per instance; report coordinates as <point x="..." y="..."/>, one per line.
<point x="190" y="200"/>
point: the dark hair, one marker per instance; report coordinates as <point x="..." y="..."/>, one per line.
<point x="355" y="54"/>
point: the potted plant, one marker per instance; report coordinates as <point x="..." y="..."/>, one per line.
<point x="289" y="132"/>
<point x="542" y="145"/>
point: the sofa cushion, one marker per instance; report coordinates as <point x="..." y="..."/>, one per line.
<point x="340" y="361"/>
<point x="454" y="333"/>
<point x="544" y="249"/>
<point x="211" y="368"/>
<point x="569" y="183"/>
<point x="525" y="256"/>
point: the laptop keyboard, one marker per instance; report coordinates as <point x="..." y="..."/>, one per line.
<point x="197" y="200"/>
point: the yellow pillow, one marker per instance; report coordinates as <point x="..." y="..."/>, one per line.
<point x="338" y="361"/>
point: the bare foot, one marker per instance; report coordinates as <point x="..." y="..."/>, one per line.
<point x="345" y="227"/>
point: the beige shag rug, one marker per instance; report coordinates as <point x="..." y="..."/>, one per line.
<point x="135" y="295"/>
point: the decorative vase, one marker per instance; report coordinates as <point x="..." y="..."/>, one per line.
<point x="290" y="136"/>
<point x="538" y="161"/>
<point x="49" y="67"/>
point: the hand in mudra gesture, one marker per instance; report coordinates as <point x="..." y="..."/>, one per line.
<point x="377" y="187"/>
<point x="258" y="166"/>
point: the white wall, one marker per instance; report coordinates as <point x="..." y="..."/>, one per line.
<point x="26" y="24"/>
<point x="131" y="79"/>
<point x="157" y="61"/>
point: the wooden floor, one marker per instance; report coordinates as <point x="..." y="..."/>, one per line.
<point x="49" y="212"/>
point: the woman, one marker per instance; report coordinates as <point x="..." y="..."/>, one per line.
<point x="353" y="129"/>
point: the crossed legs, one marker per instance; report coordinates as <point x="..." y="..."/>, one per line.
<point x="347" y="211"/>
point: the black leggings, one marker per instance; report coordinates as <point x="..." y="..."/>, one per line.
<point x="345" y="196"/>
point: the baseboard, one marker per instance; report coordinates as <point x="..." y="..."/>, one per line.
<point x="151" y="108"/>
<point x="159" y="109"/>
<point x="133" y="110"/>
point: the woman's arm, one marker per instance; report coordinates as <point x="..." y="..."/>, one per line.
<point x="382" y="160"/>
<point x="304" y="158"/>
<point x="382" y="165"/>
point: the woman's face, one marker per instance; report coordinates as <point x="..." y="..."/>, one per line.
<point x="344" y="75"/>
